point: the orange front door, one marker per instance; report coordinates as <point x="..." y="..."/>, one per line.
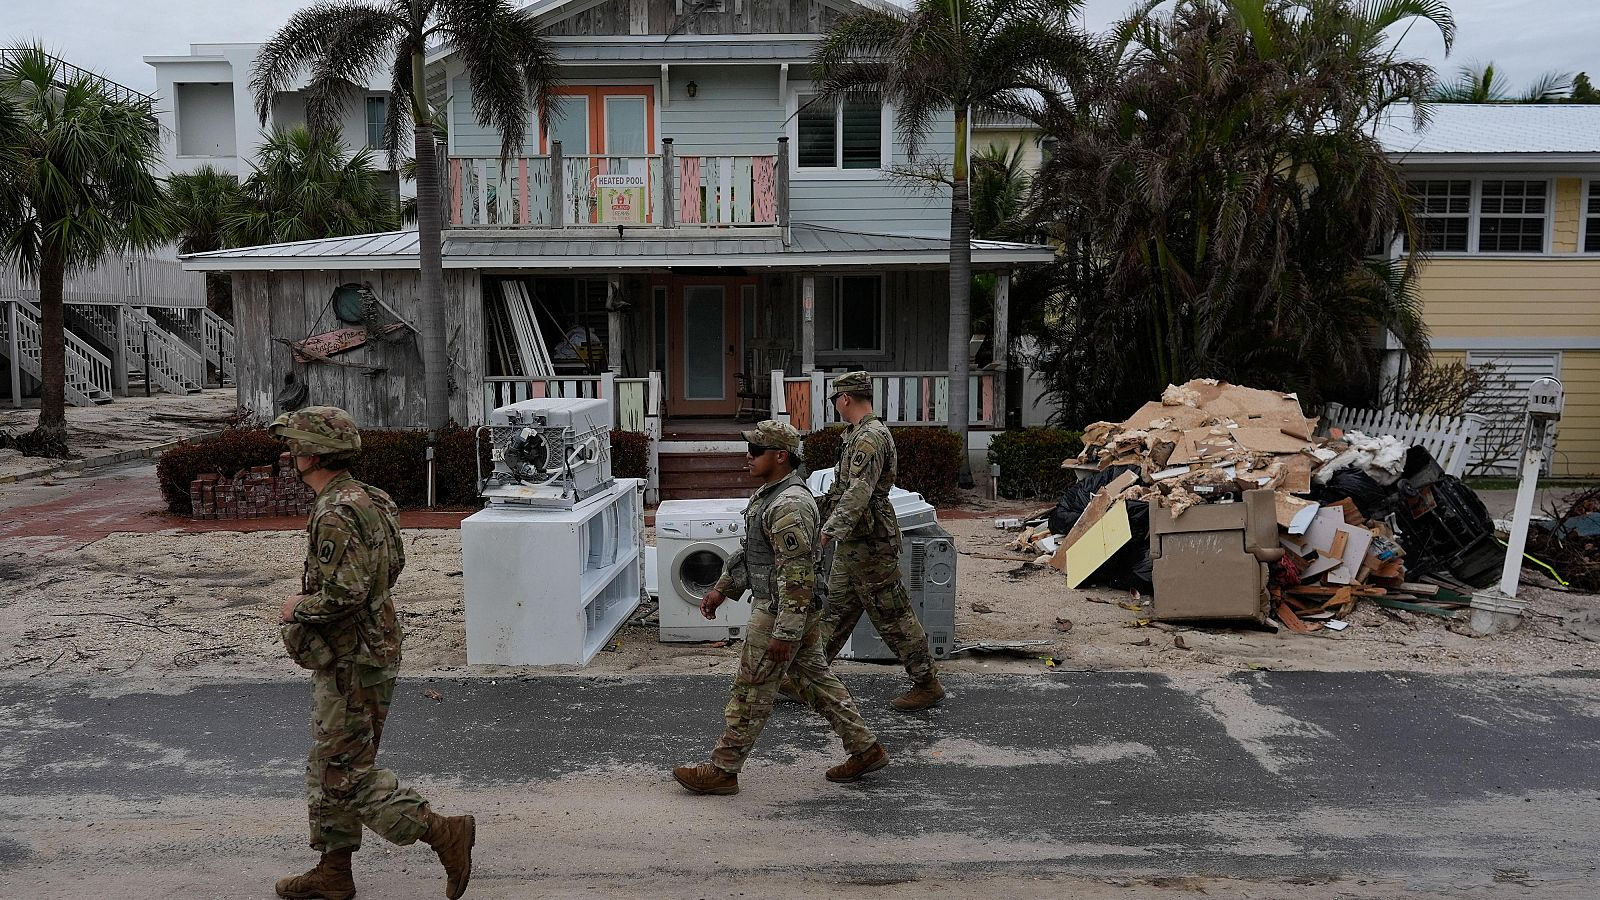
<point x="703" y="349"/>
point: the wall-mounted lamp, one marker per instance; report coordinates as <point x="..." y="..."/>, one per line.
<point x="691" y="89"/>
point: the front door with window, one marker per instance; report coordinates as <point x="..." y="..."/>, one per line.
<point x="703" y="325"/>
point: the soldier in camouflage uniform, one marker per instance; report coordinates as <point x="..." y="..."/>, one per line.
<point x="866" y="564"/>
<point x="777" y="564"/>
<point x="343" y="627"/>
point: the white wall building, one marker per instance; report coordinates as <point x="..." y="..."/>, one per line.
<point x="208" y="116"/>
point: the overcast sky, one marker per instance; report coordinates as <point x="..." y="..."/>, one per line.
<point x="1523" y="37"/>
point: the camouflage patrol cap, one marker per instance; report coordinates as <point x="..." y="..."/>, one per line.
<point x="318" y="431"/>
<point x="852" y="383"/>
<point x="774" y="435"/>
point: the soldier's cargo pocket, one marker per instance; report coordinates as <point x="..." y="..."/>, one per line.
<point x="306" y="646"/>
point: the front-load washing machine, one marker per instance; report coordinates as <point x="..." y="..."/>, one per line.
<point x="693" y="540"/>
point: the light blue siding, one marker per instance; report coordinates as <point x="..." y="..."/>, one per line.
<point x="735" y="111"/>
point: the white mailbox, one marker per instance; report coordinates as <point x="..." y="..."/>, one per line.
<point x="1545" y="399"/>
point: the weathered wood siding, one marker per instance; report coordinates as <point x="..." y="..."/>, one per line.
<point x="295" y="305"/>
<point x="916" y="331"/>
<point x="637" y="17"/>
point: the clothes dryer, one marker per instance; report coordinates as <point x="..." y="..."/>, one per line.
<point x="694" y="538"/>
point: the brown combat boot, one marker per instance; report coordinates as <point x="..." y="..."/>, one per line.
<point x="329" y="880"/>
<point x="452" y="838"/>
<point x="921" y="696"/>
<point x="706" y="779"/>
<point x="869" y="760"/>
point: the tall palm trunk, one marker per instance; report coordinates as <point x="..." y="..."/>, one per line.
<point x="430" y="225"/>
<point x="960" y="293"/>
<point x="52" y="432"/>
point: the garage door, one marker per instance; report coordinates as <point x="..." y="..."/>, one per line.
<point x="1505" y="406"/>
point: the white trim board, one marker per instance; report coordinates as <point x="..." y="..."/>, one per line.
<point x="1515" y="343"/>
<point x="616" y="263"/>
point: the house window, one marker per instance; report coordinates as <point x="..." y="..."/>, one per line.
<point x="1512" y="216"/>
<point x="844" y="135"/>
<point x="377" y="117"/>
<point x="850" y="314"/>
<point x="1591" y="219"/>
<point x="1443" y="213"/>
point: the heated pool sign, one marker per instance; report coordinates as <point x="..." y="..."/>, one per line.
<point x="621" y="199"/>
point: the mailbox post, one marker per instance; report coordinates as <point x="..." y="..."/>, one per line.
<point x="1500" y="610"/>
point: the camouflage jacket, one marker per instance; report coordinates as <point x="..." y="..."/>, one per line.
<point x="777" y="559"/>
<point x="858" y="501"/>
<point x="354" y="555"/>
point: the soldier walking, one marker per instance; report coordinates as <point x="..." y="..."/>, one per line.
<point x="866" y="564"/>
<point x="778" y="565"/>
<point x="342" y="626"/>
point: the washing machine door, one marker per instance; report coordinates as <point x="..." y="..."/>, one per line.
<point x="695" y="570"/>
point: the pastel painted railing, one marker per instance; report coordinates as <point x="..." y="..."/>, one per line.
<point x="900" y="398"/>
<point x="609" y="191"/>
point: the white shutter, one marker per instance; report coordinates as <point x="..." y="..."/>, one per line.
<point x="1506" y="404"/>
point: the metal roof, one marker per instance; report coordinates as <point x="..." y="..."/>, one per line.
<point x="1535" y="131"/>
<point x="809" y="246"/>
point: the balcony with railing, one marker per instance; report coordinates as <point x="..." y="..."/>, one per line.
<point x="661" y="190"/>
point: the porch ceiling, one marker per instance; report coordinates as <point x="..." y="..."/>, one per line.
<point x="810" y="247"/>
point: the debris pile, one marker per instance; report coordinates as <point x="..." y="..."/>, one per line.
<point x="1294" y="527"/>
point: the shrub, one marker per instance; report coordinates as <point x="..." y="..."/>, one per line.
<point x="929" y="458"/>
<point x="228" y="454"/>
<point x="1030" y="461"/>
<point x="630" y="454"/>
<point x="393" y="461"/>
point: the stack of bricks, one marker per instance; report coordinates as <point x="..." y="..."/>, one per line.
<point x="256" y="493"/>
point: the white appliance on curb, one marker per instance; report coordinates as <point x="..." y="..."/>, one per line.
<point x="693" y="540"/>
<point x="551" y="586"/>
<point x="550" y="452"/>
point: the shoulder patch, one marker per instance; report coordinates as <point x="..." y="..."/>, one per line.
<point x="325" y="551"/>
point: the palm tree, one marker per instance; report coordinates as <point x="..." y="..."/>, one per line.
<point x="198" y="206"/>
<point x="79" y="186"/>
<point x="340" y="42"/>
<point x="1484" y="84"/>
<point x="940" y="56"/>
<point x="1219" y="192"/>
<point x="306" y="187"/>
<point x="1000" y="183"/>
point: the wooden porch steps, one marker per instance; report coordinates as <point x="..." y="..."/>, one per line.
<point x="702" y="476"/>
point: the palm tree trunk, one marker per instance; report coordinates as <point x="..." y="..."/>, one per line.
<point x="51" y="435"/>
<point x="960" y="293"/>
<point x="430" y="224"/>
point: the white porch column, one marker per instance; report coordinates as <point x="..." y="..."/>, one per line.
<point x="808" y="324"/>
<point x="1002" y="341"/>
<point x="13" y="353"/>
<point x="614" y="324"/>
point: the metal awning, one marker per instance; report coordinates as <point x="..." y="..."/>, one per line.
<point x="600" y="249"/>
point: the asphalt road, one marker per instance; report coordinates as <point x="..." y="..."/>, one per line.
<point x="1357" y="784"/>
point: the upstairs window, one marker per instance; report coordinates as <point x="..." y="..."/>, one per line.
<point x="1591" y="219"/>
<point x="1512" y="216"/>
<point x="1443" y="213"/>
<point x="377" y="116"/>
<point x="845" y="135"/>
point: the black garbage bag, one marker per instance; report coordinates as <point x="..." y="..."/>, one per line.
<point x="1373" y="499"/>
<point x="1129" y="568"/>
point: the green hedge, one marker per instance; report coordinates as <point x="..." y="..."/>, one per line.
<point x="929" y="458"/>
<point x="1030" y="461"/>
<point x="395" y="461"/>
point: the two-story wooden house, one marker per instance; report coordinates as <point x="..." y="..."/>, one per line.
<point x="691" y="217"/>
<point x="1509" y="196"/>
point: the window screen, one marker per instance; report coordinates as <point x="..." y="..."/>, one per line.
<point x="859" y="313"/>
<point x="1591" y="213"/>
<point x="1443" y="212"/>
<point x="818" y="130"/>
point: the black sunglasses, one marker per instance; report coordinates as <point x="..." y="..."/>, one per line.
<point x="755" y="450"/>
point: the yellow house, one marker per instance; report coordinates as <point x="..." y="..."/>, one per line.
<point x="1509" y="198"/>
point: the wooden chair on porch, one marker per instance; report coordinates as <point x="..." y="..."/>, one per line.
<point x="754" y="387"/>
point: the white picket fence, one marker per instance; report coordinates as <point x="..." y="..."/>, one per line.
<point x="1449" y="439"/>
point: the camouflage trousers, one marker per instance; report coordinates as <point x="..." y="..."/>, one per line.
<point x="345" y="789"/>
<point x="866" y="578"/>
<point x="756" y="688"/>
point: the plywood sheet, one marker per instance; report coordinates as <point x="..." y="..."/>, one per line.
<point x="1103" y="539"/>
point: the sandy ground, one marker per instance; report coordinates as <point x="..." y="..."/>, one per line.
<point x="165" y="604"/>
<point x="126" y="424"/>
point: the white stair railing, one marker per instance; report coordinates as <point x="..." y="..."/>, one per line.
<point x="219" y="342"/>
<point x="88" y="370"/>
<point x="174" y="366"/>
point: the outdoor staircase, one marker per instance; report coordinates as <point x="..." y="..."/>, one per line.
<point x="203" y="330"/>
<point x="89" y="380"/>
<point x="702" y="476"/>
<point x="174" y="366"/>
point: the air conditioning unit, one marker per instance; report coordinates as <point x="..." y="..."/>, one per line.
<point x="551" y="452"/>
